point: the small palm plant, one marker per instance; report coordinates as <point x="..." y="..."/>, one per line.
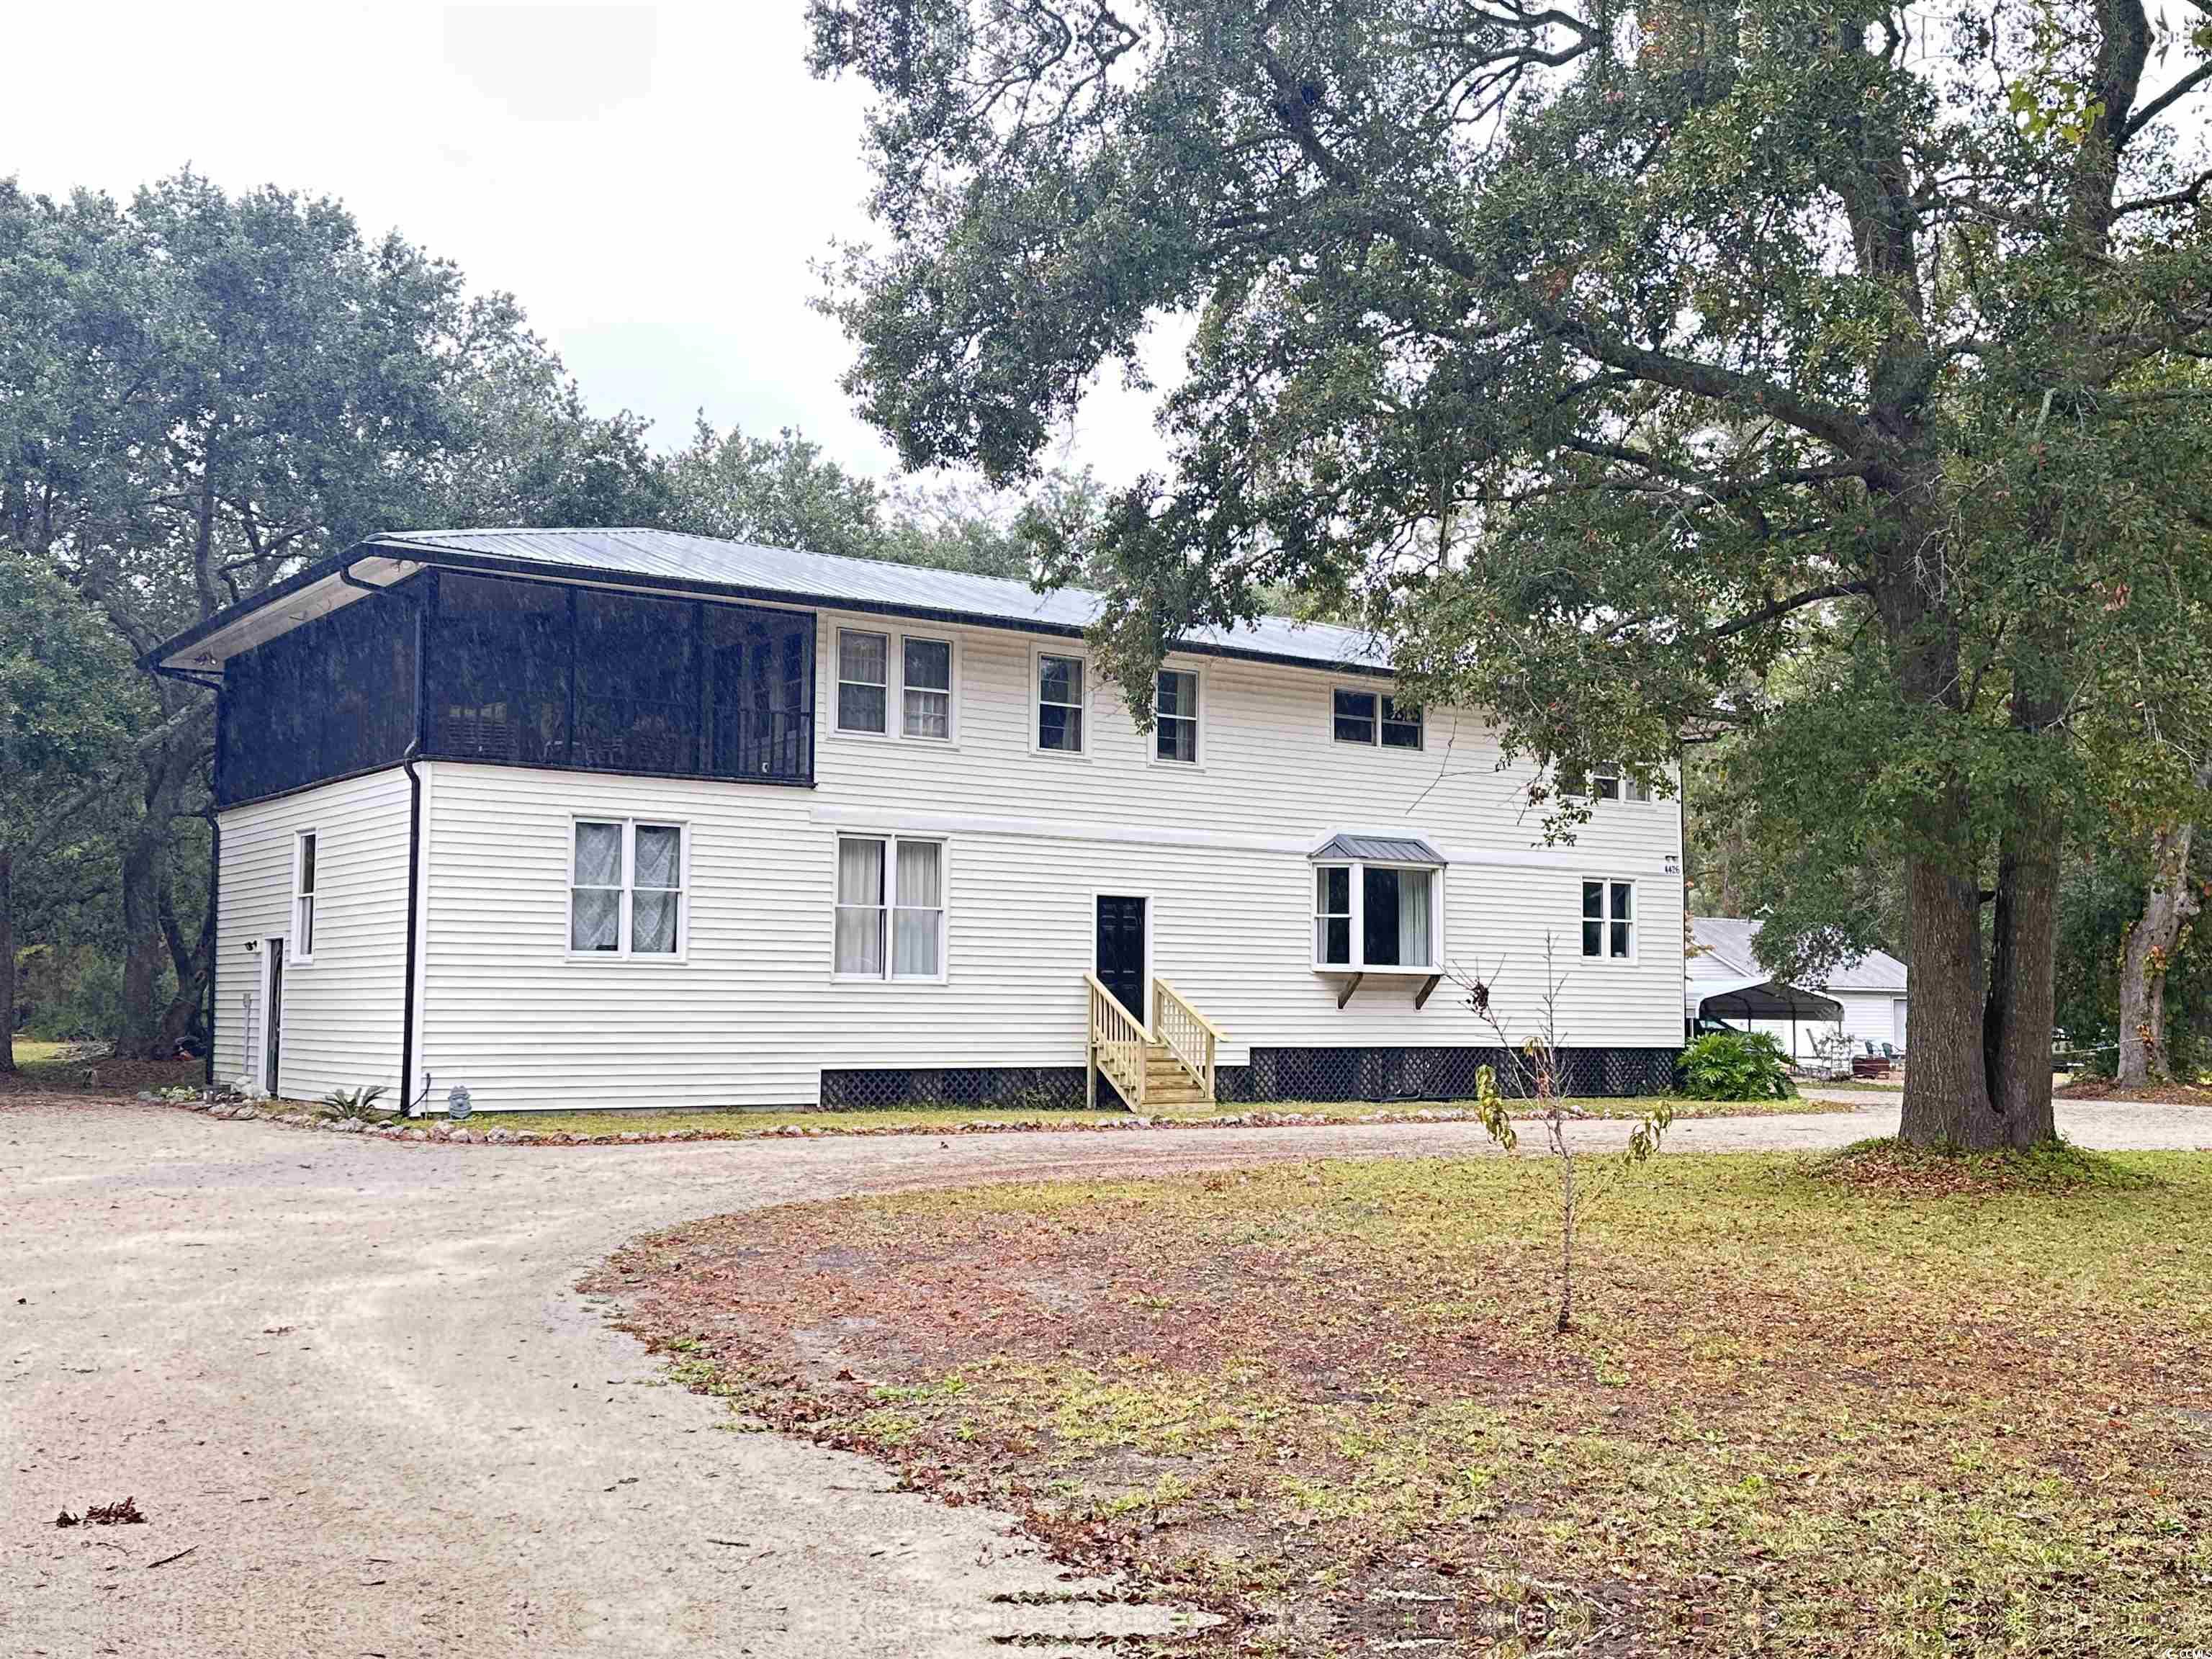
<point x="355" y="1105"/>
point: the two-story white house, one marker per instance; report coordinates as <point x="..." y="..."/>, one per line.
<point x="607" y="819"/>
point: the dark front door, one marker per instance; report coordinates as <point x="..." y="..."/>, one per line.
<point x="273" y="1021"/>
<point x="1121" y="950"/>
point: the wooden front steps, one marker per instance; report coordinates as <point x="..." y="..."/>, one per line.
<point x="1151" y="1069"/>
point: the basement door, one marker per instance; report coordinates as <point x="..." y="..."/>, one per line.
<point x="1121" y="950"/>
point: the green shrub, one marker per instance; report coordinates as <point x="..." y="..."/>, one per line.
<point x="1735" y="1065"/>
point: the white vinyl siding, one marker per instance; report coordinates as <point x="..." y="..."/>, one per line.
<point x="342" y="1001"/>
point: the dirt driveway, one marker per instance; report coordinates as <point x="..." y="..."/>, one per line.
<point x="352" y="1378"/>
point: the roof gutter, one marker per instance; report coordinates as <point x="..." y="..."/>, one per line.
<point x="407" y="757"/>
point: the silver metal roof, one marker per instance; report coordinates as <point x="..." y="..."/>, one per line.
<point x="1727" y="950"/>
<point x="670" y="557"/>
<point x="1377" y="849"/>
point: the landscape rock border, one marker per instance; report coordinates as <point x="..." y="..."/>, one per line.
<point x="437" y="1130"/>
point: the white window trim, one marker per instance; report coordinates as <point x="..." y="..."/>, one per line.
<point x="891" y="838"/>
<point x="1358" y="963"/>
<point x="622" y="952"/>
<point x="1197" y="720"/>
<point x="1381" y="697"/>
<point x="1605" y="958"/>
<point x="1035" y="701"/>
<point x="895" y="640"/>
<point x="299" y="839"/>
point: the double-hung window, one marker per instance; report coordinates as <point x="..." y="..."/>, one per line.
<point x="891" y="909"/>
<point x="1375" y="916"/>
<point x="1059" y="703"/>
<point x="1609" y="920"/>
<point x="866" y="695"/>
<point x="926" y="682"/>
<point x="626" y="888"/>
<point x="864" y="672"/>
<point x="1175" y="717"/>
<point x="302" y="946"/>
<point x="1376" y="718"/>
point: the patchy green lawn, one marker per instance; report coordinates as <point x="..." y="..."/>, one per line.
<point x="735" y="1122"/>
<point x="1875" y="1409"/>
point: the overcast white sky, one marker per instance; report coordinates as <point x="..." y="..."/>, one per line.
<point x="651" y="181"/>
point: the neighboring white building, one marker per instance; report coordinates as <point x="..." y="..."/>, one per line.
<point x="629" y="818"/>
<point x="1864" y="1000"/>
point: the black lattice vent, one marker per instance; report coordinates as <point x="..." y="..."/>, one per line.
<point x="1433" y="1073"/>
<point x="1016" y="1088"/>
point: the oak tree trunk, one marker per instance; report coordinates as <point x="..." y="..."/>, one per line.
<point x="2167" y="908"/>
<point x="2023" y="998"/>
<point x="1947" y="1095"/>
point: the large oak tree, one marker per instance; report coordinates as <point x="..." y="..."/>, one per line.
<point x="1597" y="347"/>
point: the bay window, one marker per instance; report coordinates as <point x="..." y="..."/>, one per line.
<point x="1374" y="916"/>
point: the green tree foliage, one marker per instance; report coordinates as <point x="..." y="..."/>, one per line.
<point x="1598" y="351"/>
<point x="67" y="709"/>
<point x="785" y="491"/>
<point x="198" y="393"/>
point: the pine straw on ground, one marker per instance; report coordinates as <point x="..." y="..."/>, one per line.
<point x="46" y="1068"/>
<point x="1324" y="1400"/>
<point x="2154" y="1094"/>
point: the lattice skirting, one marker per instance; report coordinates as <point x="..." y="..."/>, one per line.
<point x="1017" y="1087"/>
<point x="1275" y="1074"/>
<point x="1411" y="1073"/>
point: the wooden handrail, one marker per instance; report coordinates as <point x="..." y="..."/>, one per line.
<point x="1188" y="1036"/>
<point x="1212" y="1031"/>
<point x="1118" y="1044"/>
<point x="1143" y="1030"/>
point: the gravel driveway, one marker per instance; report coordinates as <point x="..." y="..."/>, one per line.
<point x="352" y="1379"/>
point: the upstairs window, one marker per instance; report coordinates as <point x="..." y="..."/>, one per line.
<point x="1376" y="718"/>
<point x="1059" y="703"/>
<point x="1175" y="717"/>
<point x="1603" y="783"/>
<point x="1609" y="920"/>
<point x="863" y="668"/>
<point x="302" y="946"/>
<point x="926" y="688"/>
<point x="1401" y="725"/>
<point x="626" y="888"/>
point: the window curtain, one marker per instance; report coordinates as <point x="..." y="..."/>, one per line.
<point x="859" y="906"/>
<point x="659" y="875"/>
<point x="596" y="901"/>
<point x="1413" y="918"/>
<point x="918" y="929"/>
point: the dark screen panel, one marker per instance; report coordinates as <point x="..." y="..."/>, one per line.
<point x="333" y="697"/>
<point x="497" y="670"/>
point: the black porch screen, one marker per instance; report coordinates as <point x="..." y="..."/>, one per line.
<point x="333" y="698"/>
<point x="496" y="673"/>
